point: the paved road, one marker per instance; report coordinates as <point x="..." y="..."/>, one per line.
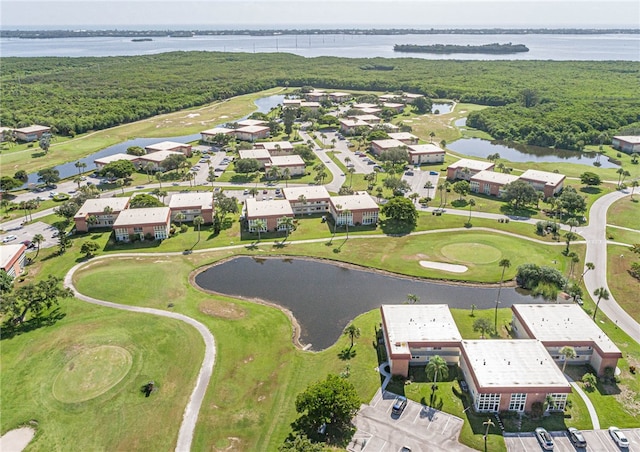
<point x="190" y="416"/>
<point x="338" y="176"/>
<point x="595" y="236"/>
<point x="597" y="441"/>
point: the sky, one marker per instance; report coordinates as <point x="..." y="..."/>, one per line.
<point x="271" y="14"/>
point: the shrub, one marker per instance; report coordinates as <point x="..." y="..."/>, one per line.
<point x="184" y="228"/>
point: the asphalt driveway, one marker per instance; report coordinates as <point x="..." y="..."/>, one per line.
<point x="597" y="441"/>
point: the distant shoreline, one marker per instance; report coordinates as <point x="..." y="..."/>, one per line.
<point x="57" y="34"/>
<point x="492" y="49"/>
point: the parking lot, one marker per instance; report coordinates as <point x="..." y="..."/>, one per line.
<point x="418" y="180"/>
<point x="597" y="441"/>
<point x="418" y="428"/>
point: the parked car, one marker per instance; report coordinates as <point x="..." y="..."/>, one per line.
<point x="576" y="437"/>
<point x="619" y="437"/>
<point x="544" y="438"/>
<point x="9" y="238"/>
<point x="29" y="244"/>
<point x="399" y="405"/>
<point x="464" y="386"/>
<point x="264" y="192"/>
<point x="246" y="191"/>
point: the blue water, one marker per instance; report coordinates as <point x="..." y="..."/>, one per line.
<point x="541" y="47"/>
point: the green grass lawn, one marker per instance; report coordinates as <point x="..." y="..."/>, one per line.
<point x="622" y="235"/>
<point x="623" y="286"/>
<point x="100" y="411"/>
<point x="625" y="212"/>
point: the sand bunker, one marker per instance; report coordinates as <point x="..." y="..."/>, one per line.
<point x="453" y="268"/>
<point x="17" y="439"/>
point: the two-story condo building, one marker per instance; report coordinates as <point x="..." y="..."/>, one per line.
<point x="138" y="224"/>
<point x="192" y="205"/>
<point x="356" y="209"/>
<point x="99" y="213"/>
<point x="270" y="212"/>
<point x="312" y="199"/>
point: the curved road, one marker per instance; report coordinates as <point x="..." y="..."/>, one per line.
<point x="191" y="411"/>
<point x="595" y="235"/>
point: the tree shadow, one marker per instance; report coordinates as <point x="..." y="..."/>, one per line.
<point x="395" y="228"/>
<point x="591" y="190"/>
<point x="347" y="353"/>
<point x="459" y="203"/>
<point x="11" y="329"/>
<point x="240" y="179"/>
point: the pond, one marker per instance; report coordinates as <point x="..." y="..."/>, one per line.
<point x="477" y="147"/>
<point x="324" y="297"/>
<point x="441" y="108"/>
<point x="264" y="105"/>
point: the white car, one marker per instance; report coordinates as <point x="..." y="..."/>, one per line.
<point x="618" y="437"/>
<point x="9" y="238"/>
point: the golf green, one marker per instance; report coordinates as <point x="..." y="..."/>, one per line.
<point x="472" y="253"/>
<point x="90" y="373"/>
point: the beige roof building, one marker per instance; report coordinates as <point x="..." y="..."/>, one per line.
<point x="251" y="123"/>
<point x="364" y="105"/>
<point x="354" y="202"/>
<point x="184" y="200"/>
<point x="93" y="206"/>
<point x="275" y="146"/>
<point x="543" y="176"/>
<point x="103" y="161"/>
<point x="130" y="217"/>
<point x="262" y="209"/>
<point x="310" y="192"/>
<point x="494" y="177"/>
<point x="405" y="137"/>
<point x="257" y="153"/>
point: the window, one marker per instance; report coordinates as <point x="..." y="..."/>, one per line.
<point x="160" y="232"/>
<point x="557" y="402"/>
<point x="517" y="402"/>
<point x="488" y="402"/>
<point x="122" y="235"/>
<point x="369" y="217"/>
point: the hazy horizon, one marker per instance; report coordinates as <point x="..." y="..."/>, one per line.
<point x="305" y="14"/>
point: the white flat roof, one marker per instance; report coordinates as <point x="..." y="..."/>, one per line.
<point x="180" y="200"/>
<point x="402" y="136"/>
<point x="312" y="193"/>
<point x="166" y="146"/>
<point x="158" y="156"/>
<point x="148" y="215"/>
<point x="258" y="154"/>
<point x="364" y="105"/>
<point x="216" y="131"/>
<point x="633" y="139"/>
<point x="93" y="206"/>
<point x="273" y="145"/>
<point x="392" y="105"/>
<point x="419" y="323"/>
<point x="353" y="122"/>
<point x="310" y="104"/>
<point x="339" y="94"/>
<point x="543" y="176"/>
<point x="412" y="96"/>
<point x="494" y="177"/>
<point x="425" y="149"/>
<point x="33" y="128"/>
<point x="115" y="157"/>
<point x="9" y="252"/>
<point x="389" y="143"/>
<point x="274" y="207"/>
<point x="252" y="129"/>
<point x="477" y="165"/>
<point x="371" y="110"/>
<point x="362" y="201"/>
<point x="287" y="160"/>
<point x="562" y="323"/>
<point x="517" y="364"/>
<point x="251" y="122"/>
<point x="367" y="117"/>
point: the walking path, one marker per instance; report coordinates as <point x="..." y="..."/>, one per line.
<point x="592" y="410"/>
<point x="191" y="411"/>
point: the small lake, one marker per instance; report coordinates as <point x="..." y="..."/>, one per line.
<point x="264" y="105"/>
<point x="477" y="147"/>
<point x="441" y="108"/>
<point x="324" y="297"/>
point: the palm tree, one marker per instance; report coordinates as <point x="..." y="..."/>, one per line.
<point x="588" y="266"/>
<point x="37" y="240"/>
<point x="620" y="172"/>
<point x="634" y="184"/>
<point x="351" y="170"/>
<point x="335" y="223"/>
<point x="77" y="180"/>
<point x="347" y="212"/>
<point x="159" y="178"/>
<point x="569" y="353"/>
<point x="428" y="186"/>
<point x="353" y="332"/>
<point x="432" y="135"/>
<point x="286" y="175"/>
<point x="442" y="187"/>
<point x="436" y="367"/>
<point x="197" y="222"/>
<point x="569" y="236"/>
<point x="601" y="293"/>
<point x="180" y="217"/>
<point x="287" y="222"/>
<point x="259" y="225"/>
<point x="148" y="168"/>
<point x="347" y="160"/>
<point x="108" y="210"/>
<point x="472" y="202"/>
<point x="574" y="260"/>
<point x="413" y="197"/>
<point x="412" y="298"/>
<point x="504" y="263"/>
<point x="572" y="223"/>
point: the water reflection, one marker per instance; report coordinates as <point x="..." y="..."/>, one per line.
<point x="324" y="297"/>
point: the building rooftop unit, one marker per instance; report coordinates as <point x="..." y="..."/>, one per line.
<point x="148" y="215"/>
<point x="33" y="129"/>
<point x="286" y="160"/>
<point x="217" y="130"/>
<point x="543" y="176"/>
<point x="9" y="252"/>
<point x="251" y="122"/>
<point x="632" y="139"/>
<point x="401" y="136"/>
<point x="562" y="324"/>
<point x="114" y="158"/>
<point x="252" y="129"/>
<point x="476" y="165"/>
<point x="388" y="144"/>
<point x="93" y="206"/>
<point x="494" y="177"/>
<point x="367" y="118"/>
<point x="203" y="200"/>
<point x="518" y="365"/>
<point x="425" y="149"/>
<point x="275" y="207"/>
<point x="353" y="122"/>
<point x="275" y="145"/>
<point x="419" y="323"/>
<point x="364" y="105"/>
<point x="158" y="156"/>
<point x="164" y="146"/>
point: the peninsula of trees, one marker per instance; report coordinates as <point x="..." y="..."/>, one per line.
<point x="494" y="48"/>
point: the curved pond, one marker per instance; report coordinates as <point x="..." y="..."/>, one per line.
<point x="324" y="297"/>
<point x="264" y="105"/>
<point x="477" y="147"/>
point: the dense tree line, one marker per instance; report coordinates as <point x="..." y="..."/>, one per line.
<point x="75" y="95"/>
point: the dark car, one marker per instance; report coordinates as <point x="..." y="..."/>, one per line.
<point x="576" y="437"/>
<point x="544" y="438"/>
<point x="464" y="386"/>
<point x="399" y="405"/>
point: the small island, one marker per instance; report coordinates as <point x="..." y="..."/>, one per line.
<point x="141" y="39"/>
<point x="494" y="48"/>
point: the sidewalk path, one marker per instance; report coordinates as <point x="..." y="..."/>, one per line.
<point x="592" y="410"/>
